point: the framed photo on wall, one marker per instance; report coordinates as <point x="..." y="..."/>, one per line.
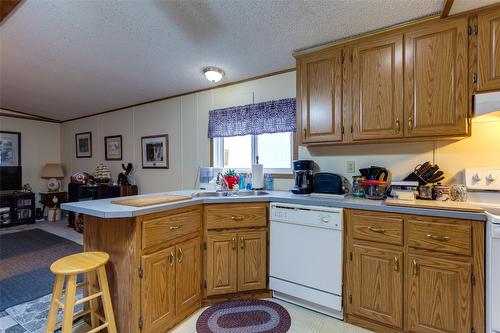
<point x="155" y="151"/>
<point x="83" y="143"/>
<point x="113" y="148"/>
<point x="10" y="149"/>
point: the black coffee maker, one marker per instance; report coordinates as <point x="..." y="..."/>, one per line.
<point x="303" y="173"/>
<point x="375" y="173"/>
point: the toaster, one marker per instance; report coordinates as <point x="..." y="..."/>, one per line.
<point x="331" y="183"/>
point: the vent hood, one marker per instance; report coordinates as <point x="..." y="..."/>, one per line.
<point x="487" y="107"/>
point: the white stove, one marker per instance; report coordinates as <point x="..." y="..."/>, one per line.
<point x="493" y="271"/>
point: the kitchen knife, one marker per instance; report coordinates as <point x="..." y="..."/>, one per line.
<point x="432" y="179"/>
<point x="421" y="168"/>
<point x="430" y="172"/>
<point x="437" y="180"/>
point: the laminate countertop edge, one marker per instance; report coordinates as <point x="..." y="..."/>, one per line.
<point x="105" y="209"/>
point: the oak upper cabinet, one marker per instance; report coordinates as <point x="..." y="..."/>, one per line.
<point x="319" y="97"/>
<point x="221" y="263"/>
<point x="188" y="275"/>
<point x="377" y="88"/>
<point x="158" y="290"/>
<point x="436" y="84"/>
<point x="439" y="295"/>
<point x="252" y="254"/>
<point x="489" y="50"/>
<point x="377" y="290"/>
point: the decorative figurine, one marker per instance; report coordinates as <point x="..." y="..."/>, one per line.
<point x="123" y="176"/>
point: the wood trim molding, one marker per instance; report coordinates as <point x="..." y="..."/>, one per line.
<point x="447" y="7"/>
<point x="187" y="93"/>
<point x="7" y="7"/>
<point x="28" y="117"/>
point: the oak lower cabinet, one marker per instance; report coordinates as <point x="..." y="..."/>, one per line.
<point x="489" y="50"/>
<point x="236" y="261"/>
<point x="378" y="281"/>
<point x="415" y="274"/>
<point x="439" y="295"/>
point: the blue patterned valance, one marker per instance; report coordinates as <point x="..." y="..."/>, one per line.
<point x="266" y="117"/>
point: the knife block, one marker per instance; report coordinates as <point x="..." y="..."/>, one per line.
<point x="413" y="177"/>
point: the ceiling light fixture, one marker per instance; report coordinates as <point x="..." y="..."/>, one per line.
<point x="213" y="74"/>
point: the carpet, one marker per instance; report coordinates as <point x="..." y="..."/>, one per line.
<point x="256" y="316"/>
<point x="25" y="258"/>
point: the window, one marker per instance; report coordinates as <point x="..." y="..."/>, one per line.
<point x="275" y="151"/>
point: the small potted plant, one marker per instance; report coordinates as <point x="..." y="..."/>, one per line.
<point x="232" y="179"/>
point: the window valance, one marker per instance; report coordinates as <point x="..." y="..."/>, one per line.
<point x="266" y="117"/>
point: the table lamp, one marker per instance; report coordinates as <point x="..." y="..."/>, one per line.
<point x="53" y="172"/>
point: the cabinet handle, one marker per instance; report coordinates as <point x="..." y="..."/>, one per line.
<point x="415" y="267"/>
<point x="410" y="123"/>
<point x="175" y="227"/>
<point x="233" y="241"/>
<point x="305" y="132"/>
<point x="377" y="230"/>
<point x="396" y="264"/>
<point x="398" y="125"/>
<point x="171" y="259"/>
<point x="242" y="242"/>
<point x="236" y="218"/>
<point x="438" y="238"/>
<point x="180" y="255"/>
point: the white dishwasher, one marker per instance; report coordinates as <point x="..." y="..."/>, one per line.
<point x="306" y="245"/>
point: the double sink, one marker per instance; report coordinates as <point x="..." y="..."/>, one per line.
<point x="247" y="193"/>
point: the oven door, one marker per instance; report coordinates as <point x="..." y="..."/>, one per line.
<point x="494" y="279"/>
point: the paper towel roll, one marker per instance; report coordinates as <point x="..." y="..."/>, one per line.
<point x="258" y="176"/>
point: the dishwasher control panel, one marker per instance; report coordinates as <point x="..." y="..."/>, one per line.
<point x="316" y="216"/>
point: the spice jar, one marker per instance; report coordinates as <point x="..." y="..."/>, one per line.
<point x="441" y="192"/>
<point x="458" y="192"/>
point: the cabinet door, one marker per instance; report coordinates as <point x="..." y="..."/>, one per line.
<point x="377" y="290"/>
<point x="252" y="260"/>
<point x="436" y="69"/>
<point x="188" y="275"/>
<point x="158" y="290"/>
<point x="489" y="49"/>
<point x="221" y="263"/>
<point x="377" y="71"/>
<point x="320" y="92"/>
<point x="439" y="295"/>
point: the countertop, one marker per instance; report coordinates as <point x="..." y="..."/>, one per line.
<point x="105" y="209"/>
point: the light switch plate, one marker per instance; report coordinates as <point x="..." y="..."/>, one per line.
<point x="350" y="166"/>
<point x="482" y="179"/>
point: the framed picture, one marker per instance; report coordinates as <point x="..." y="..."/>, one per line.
<point x="155" y="151"/>
<point x="113" y="148"/>
<point x="10" y="149"/>
<point x="83" y="145"/>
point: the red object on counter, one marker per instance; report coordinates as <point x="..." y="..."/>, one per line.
<point x="232" y="182"/>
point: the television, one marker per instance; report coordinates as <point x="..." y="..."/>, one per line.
<point x="11" y="178"/>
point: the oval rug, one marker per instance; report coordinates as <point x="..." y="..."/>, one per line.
<point x="255" y="316"/>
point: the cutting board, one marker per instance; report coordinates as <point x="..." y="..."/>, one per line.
<point x="150" y="200"/>
<point x="432" y="204"/>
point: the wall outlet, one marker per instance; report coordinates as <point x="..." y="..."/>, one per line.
<point x="350" y="166"/>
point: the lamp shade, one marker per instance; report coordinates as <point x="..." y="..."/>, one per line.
<point x="52" y="170"/>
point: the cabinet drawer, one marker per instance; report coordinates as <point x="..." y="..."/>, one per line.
<point x="236" y="215"/>
<point x="443" y="237"/>
<point x="377" y="227"/>
<point x="162" y="229"/>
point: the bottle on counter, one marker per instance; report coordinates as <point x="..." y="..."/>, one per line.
<point x="269" y="182"/>
<point x="249" y="181"/>
<point x="241" y="181"/>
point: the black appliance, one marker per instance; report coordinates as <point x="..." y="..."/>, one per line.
<point x="325" y="182"/>
<point x="303" y="174"/>
<point x="375" y="173"/>
<point x="11" y="178"/>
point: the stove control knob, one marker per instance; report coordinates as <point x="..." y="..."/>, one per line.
<point x="491" y="178"/>
<point x="477" y="177"/>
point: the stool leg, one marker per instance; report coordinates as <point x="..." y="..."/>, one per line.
<point x="54" y="307"/>
<point x="69" y="304"/>
<point x="93" y="303"/>
<point x="106" y="299"/>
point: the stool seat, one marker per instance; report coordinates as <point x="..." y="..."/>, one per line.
<point x="79" y="263"/>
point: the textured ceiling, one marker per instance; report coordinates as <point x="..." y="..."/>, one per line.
<point x="64" y="59"/>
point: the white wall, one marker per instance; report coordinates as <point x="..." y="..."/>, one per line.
<point x="40" y="144"/>
<point x="185" y="119"/>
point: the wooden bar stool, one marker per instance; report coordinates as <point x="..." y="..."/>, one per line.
<point x="89" y="263"/>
